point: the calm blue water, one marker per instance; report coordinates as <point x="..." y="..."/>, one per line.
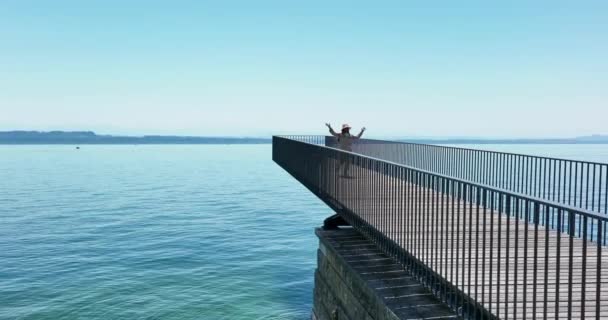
<point x="154" y="232"/>
<point x="163" y="232"/>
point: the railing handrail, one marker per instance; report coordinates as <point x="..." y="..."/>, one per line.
<point x="578" y="183"/>
<point x="517" y="195"/>
<point x="489" y="151"/>
<point x="459" y="148"/>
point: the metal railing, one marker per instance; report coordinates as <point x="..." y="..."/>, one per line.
<point x="577" y="183"/>
<point x="487" y="252"/>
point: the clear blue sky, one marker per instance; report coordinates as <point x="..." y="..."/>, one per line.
<point x="400" y="68"/>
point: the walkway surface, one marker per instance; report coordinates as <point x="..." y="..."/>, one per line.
<point x="492" y="257"/>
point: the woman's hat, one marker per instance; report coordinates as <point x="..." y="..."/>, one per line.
<point x="345" y="126"/>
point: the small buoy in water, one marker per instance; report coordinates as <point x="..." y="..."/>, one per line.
<point x="77" y="148"/>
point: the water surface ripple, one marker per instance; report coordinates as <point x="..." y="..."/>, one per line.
<point x="153" y="232"/>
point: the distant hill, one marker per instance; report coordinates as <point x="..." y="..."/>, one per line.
<point x="89" y="137"/>
<point x="594" y="139"/>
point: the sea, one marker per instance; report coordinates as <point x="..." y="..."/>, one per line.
<point x="164" y="231"/>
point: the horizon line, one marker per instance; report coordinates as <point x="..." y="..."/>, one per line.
<point x="601" y="137"/>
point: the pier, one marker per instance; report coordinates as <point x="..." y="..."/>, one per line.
<point x="488" y="235"/>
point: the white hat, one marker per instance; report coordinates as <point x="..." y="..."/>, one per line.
<point x="345" y="126"/>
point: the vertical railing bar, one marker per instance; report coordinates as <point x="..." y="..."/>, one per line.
<point x="472" y="200"/>
<point x="412" y="219"/>
<point x="570" y="185"/>
<point x="586" y="187"/>
<point x="492" y="172"/>
<point x="599" y="194"/>
<point x="593" y="207"/>
<point x="444" y="230"/>
<point x="374" y="199"/>
<point x="558" y="259"/>
<point x="485" y="166"/>
<point x="584" y="268"/>
<point x="546" y="164"/>
<point x="408" y="216"/>
<point x="498" y="260"/>
<point x="392" y="202"/>
<point x="513" y="168"/>
<point x="592" y="198"/>
<point x="509" y="171"/>
<point x="516" y="173"/>
<point x="483" y="254"/>
<point x="542" y="176"/>
<point x="527" y="175"/>
<point x="554" y="186"/>
<point x="427" y="213"/>
<point x="508" y="261"/>
<point x="527" y="217"/>
<point x="417" y="221"/>
<point x="535" y="276"/>
<point x="435" y="253"/>
<point x="577" y="186"/>
<point x="403" y="212"/>
<point x="384" y="212"/>
<point x="459" y="201"/>
<point x="492" y="214"/>
<point x="598" y="279"/>
<point x="559" y="183"/>
<point x="419" y="217"/>
<point x="570" y="260"/>
<point x="580" y="203"/>
<point x="535" y="176"/>
<point x="521" y="169"/>
<point x="605" y="195"/>
<point x="452" y="241"/>
<point x="546" y="254"/>
<point x="605" y="202"/>
<point x="475" y="165"/>
<point x="502" y="170"/>
<point x="516" y="278"/>
<point x="480" y="193"/>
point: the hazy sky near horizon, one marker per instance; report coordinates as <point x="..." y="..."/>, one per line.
<point x="400" y="68"/>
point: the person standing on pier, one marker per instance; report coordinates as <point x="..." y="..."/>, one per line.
<point x="345" y="142"/>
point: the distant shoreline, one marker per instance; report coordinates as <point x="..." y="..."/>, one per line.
<point x="91" y="138"/>
<point x="216" y="142"/>
<point x="504" y="141"/>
